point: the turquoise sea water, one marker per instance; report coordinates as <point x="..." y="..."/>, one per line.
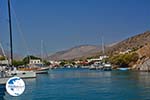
<point x="83" y="84"/>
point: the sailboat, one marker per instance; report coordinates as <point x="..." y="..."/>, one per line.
<point x="37" y="65"/>
<point x="101" y="64"/>
<point x="43" y="69"/>
<point x="12" y="71"/>
<point x="106" y="66"/>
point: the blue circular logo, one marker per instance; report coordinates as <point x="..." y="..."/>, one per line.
<point x="15" y="86"/>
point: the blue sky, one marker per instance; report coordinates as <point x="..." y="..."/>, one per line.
<point x="63" y="24"/>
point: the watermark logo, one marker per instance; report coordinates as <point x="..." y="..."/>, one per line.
<point x="15" y="86"/>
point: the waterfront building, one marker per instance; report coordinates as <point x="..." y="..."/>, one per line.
<point x="35" y="61"/>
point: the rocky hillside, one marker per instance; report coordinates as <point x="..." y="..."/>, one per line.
<point x="139" y="44"/>
<point x="144" y="51"/>
<point x="134" y="42"/>
<point x="143" y="62"/>
<point x="76" y="52"/>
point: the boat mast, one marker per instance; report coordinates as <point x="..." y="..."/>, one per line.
<point x="103" y="49"/>
<point x="10" y="31"/>
<point x="42" y="52"/>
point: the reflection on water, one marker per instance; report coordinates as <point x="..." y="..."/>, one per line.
<point x="2" y="92"/>
<point x="80" y="73"/>
<point x="144" y="79"/>
<point x="144" y="83"/>
<point x="81" y="84"/>
<point x="30" y="86"/>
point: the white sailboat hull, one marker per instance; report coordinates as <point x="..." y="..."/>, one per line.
<point x="43" y="70"/>
<point x="21" y="74"/>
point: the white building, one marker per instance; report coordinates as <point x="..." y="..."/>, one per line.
<point x="125" y="52"/>
<point x="35" y="61"/>
<point x="98" y="59"/>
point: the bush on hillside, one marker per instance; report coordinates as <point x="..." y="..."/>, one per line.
<point x="123" y="60"/>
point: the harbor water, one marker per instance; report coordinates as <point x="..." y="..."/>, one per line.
<point x="84" y="84"/>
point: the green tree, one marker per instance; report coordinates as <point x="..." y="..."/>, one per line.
<point x="46" y="63"/>
<point x="17" y="63"/>
<point x="123" y="60"/>
<point x="73" y="63"/>
<point x="63" y="63"/>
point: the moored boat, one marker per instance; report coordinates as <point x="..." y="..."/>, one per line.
<point x="37" y="70"/>
<point x="6" y="73"/>
<point x="123" y="69"/>
<point x="107" y="67"/>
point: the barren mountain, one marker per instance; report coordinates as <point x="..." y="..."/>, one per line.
<point x="15" y="56"/>
<point x="76" y="52"/>
<point x="134" y="42"/>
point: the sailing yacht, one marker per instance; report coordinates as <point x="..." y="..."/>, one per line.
<point x="42" y="69"/>
<point x="106" y="66"/>
<point x="11" y="71"/>
<point x="37" y="65"/>
<point x="101" y="64"/>
<point x="5" y="71"/>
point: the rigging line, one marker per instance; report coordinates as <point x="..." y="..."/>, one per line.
<point x="3" y="52"/>
<point x="0" y="10"/>
<point x="0" y="7"/>
<point x="20" y="31"/>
